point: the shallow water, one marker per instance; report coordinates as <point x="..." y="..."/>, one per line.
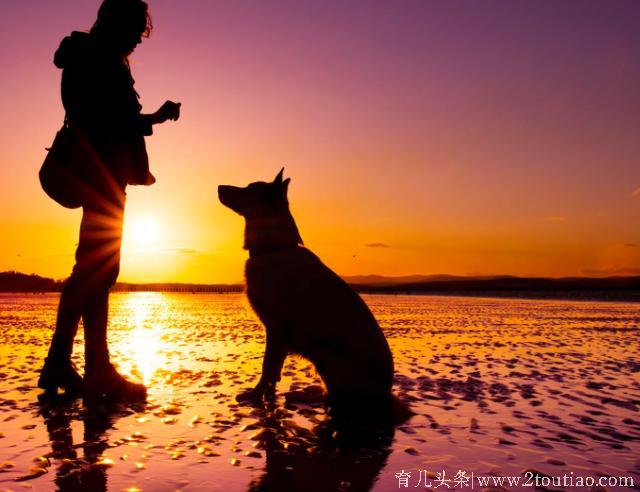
<point x="499" y="387"/>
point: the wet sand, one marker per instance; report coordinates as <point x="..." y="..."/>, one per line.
<point x="500" y="387"/>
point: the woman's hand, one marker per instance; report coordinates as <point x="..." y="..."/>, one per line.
<point x="168" y="111"/>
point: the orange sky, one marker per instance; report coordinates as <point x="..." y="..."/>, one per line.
<point x="421" y="137"/>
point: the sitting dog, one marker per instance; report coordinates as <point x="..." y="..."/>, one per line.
<point x="309" y="310"/>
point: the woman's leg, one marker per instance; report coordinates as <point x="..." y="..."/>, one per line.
<point x="102" y="233"/>
<point x="58" y="370"/>
<point x="69" y="313"/>
<point x="99" y="260"/>
<point x="100" y="229"/>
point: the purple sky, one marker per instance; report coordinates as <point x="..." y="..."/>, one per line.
<point x="493" y="136"/>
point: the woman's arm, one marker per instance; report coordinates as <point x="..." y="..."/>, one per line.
<point x="168" y="111"/>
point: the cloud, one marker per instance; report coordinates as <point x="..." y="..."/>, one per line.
<point x="631" y="245"/>
<point x="376" y="245"/>
<point x="555" y="218"/>
<point x="612" y="270"/>
<point x="636" y="192"/>
<point x="185" y="252"/>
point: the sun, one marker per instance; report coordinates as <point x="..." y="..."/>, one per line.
<point x="142" y="232"/>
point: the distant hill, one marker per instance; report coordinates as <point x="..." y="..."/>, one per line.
<point x="607" y="288"/>
<point x="411" y="279"/>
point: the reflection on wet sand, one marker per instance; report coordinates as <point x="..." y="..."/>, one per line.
<point x="79" y="471"/>
<point x="297" y="459"/>
<point x="144" y="345"/>
<point x="499" y="386"/>
<point x="321" y="459"/>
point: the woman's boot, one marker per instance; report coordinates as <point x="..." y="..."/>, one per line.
<point x="60" y="373"/>
<point x="105" y="383"/>
<point x="58" y="370"/>
<point x="101" y="380"/>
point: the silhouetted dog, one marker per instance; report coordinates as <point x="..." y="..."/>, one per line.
<point x="309" y="310"/>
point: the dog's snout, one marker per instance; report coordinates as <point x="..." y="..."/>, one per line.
<point x="228" y="196"/>
<point x="223" y="192"/>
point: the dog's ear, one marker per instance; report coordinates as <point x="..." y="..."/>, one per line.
<point x="285" y="186"/>
<point x="278" y="180"/>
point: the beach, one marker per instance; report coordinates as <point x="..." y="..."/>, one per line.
<point x="500" y="388"/>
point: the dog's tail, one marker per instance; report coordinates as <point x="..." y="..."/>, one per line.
<point x="400" y="410"/>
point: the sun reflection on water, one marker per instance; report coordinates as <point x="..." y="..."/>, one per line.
<point x="143" y="348"/>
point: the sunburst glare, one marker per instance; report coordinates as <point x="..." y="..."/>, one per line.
<point x="142" y="233"/>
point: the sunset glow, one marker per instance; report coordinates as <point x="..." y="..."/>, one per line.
<point x="420" y="137"/>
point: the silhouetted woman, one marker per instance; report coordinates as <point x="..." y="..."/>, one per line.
<point x="103" y="111"/>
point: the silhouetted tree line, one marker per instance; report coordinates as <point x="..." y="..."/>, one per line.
<point x="21" y="282"/>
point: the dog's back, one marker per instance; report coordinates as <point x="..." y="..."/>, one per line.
<point x="327" y="322"/>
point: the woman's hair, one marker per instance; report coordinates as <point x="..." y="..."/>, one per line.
<point x="128" y="15"/>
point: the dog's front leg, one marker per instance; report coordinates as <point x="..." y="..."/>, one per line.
<point x="274" y="356"/>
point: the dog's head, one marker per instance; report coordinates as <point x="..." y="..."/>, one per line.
<point x="258" y="199"/>
<point x="265" y="207"/>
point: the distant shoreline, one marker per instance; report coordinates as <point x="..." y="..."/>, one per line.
<point x="613" y="289"/>
<point x="611" y="296"/>
<point x="623" y="297"/>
